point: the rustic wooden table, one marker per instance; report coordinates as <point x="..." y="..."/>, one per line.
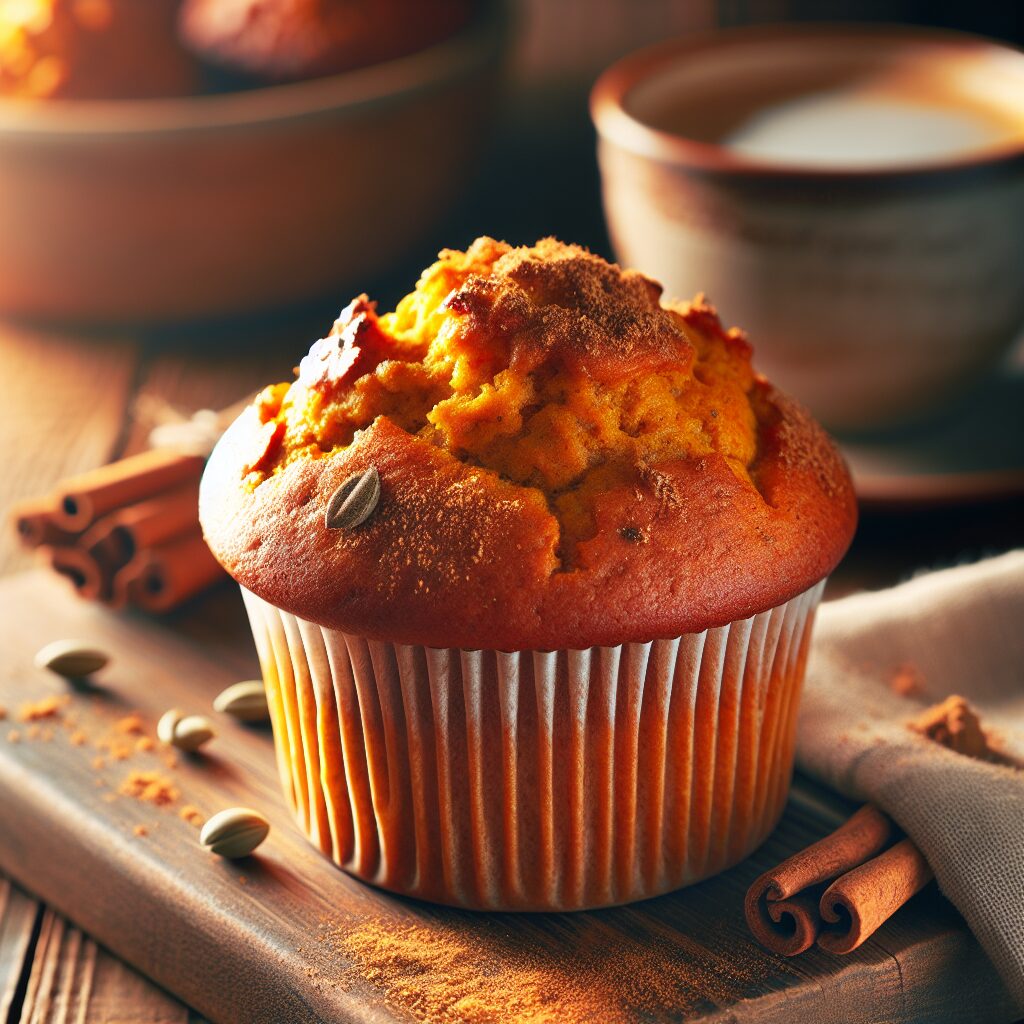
<point x="72" y="402"/>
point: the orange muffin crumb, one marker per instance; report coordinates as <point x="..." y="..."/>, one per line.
<point x="130" y="724"/>
<point x="48" y="707"/>
<point x="544" y="364"/>
<point x="150" y="787"/>
<point x="191" y="814"/>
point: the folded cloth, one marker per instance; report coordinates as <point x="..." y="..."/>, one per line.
<point x="958" y="631"/>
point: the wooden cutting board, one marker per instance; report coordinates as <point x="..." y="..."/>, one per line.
<point x="286" y="937"/>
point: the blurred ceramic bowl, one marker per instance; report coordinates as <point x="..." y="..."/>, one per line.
<point x="875" y="280"/>
<point x="209" y="205"/>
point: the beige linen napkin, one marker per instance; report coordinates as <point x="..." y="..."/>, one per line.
<point x="963" y="632"/>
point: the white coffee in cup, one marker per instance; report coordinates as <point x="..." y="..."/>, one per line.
<point x="854" y="198"/>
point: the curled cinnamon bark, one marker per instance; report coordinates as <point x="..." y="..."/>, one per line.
<point x="856" y="905"/>
<point x="865" y="894"/>
<point x="127" y="531"/>
<point x="780" y="913"/>
<point x="34" y="521"/>
<point x="81" y="569"/>
<point x="83" y="499"/>
<point x="787" y="926"/>
<point x="161" y="577"/>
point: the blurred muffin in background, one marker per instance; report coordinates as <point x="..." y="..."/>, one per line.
<point x="285" y="40"/>
<point x="93" y="49"/>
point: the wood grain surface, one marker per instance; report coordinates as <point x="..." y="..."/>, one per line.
<point x="284" y="936"/>
<point x="77" y="399"/>
<point x="72" y="979"/>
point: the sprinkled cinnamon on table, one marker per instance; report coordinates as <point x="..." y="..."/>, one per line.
<point x="132" y="724"/>
<point x="452" y="975"/>
<point x="191" y="814"/>
<point x="34" y="711"/>
<point x="150" y="787"/>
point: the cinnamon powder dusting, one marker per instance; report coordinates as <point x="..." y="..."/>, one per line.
<point x="35" y="711"/>
<point x="486" y="975"/>
<point x="130" y="725"/>
<point x="191" y="814"/>
<point x="907" y="681"/>
<point x="150" y="787"/>
<point x="955" y="724"/>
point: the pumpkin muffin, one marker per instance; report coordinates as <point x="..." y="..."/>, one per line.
<point x="92" y="49"/>
<point x="531" y="563"/>
<point x="285" y="40"/>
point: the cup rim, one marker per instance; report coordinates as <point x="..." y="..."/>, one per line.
<point x="614" y="123"/>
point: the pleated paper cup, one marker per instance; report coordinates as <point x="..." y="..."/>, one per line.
<point x="537" y="780"/>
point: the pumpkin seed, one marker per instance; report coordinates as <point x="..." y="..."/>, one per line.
<point x="354" y="501"/>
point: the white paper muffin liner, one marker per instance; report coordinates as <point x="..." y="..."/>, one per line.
<point x="536" y="780"/>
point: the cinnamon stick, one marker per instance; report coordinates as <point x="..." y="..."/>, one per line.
<point x="787" y="925"/>
<point x="160" y="578"/>
<point x="781" y="906"/>
<point x="856" y="905"/>
<point x="82" y="570"/>
<point x="35" y="521"/>
<point x="119" y="536"/>
<point x="83" y="499"/>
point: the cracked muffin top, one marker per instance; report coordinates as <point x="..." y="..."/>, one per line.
<point x="558" y="460"/>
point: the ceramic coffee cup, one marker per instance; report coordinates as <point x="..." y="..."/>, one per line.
<point x="852" y="195"/>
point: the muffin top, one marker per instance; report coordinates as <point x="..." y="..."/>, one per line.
<point x="563" y="461"/>
<point x="282" y="40"/>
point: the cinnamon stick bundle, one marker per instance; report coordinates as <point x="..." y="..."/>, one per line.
<point x="858" y="903"/>
<point x="842" y="889"/>
<point x="127" y="533"/>
<point x="838" y="891"/>
<point x="160" y="578"/>
<point x="35" y="522"/>
<point x="83" y="499"/>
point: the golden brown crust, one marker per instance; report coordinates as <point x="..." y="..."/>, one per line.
<point x="563" y="462"/>
<point x="561" y="304"/>
<point x="456" y="557"/>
